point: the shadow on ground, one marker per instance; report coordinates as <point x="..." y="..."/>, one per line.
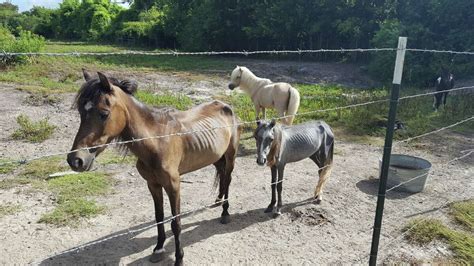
<point x="111" y="249"/>
<point x="371" y="187"/>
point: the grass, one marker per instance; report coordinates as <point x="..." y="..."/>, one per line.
<point x="39" y="99"/>
<point x="6" y="166"/>
<point x="463" y="213"/>
<point x="60" y="74"/>
<point x="71" y="195"/>
<point x="423" y="231"/>
<point x="70" y="211"/>
<point x="175" y="100"/>
<point x="32" y="131"/>
<point x="41" y="169"/>
<point x="364" y="122"/>
<point x="426" y="230"/>
<point x="9" y="209"/>
<point x="35" y="173"/>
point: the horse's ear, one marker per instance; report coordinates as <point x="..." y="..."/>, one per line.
<point x="273" y="123"/>
<point x="86" y="74"/>
<point x="240" y="69"/>
<point x="259" y="123"/>
<point x="129" y="86"/>
<point x="104" y="81"/>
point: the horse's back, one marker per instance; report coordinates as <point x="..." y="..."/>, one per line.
<point x="303" y="140"/>
<point x="212" y="130"/>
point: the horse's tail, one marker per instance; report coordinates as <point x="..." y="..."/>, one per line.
<point x="293" y="104"/>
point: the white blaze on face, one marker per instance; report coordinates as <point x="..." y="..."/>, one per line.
<point x="88" y="106"/>
<point x="439" y="80"/>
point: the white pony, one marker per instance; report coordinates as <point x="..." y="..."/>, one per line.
<point x="266" y="94"/>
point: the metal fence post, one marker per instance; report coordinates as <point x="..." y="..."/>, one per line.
<point x="397" y="78"/>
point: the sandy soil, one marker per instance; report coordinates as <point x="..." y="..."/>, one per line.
<point x="336" y="231"/>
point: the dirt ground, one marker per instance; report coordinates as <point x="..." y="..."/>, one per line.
<point x="336" y="231"/>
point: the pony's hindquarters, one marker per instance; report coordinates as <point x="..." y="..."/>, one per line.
<point x="324" y="159"/>
<point x="293" y="105"/>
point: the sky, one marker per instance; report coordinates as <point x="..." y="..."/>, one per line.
<point x="24" y="5"/>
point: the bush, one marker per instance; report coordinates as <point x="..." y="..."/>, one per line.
<point x="26" y="42"/>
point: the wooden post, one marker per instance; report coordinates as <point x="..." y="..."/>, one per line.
<point x="397" y="78"/>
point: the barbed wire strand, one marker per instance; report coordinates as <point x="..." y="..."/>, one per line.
<point x="425" y="174"/>
<point x="23" y="161"/>
<point x="442" y="206"/>
<point x="177" y="53"/>
<point x="433" y="132"/>
<point x="246" y="53"/>
<point x="80" y="247"/>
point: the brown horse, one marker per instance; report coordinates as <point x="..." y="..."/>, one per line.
<point x="109" y="111"/>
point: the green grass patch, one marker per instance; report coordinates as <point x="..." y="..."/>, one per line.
<point x="71" y="192"/>
<point x="426" y="230"/>
<point x="111" y="157"/>
<point x="42" y="168"/>
<point x="463" y="213"/>
<point x="167" y="99"/>
<point x="60" y="74"/>
<point x="70" y="211"/>
<point x="369" y="120"/>
<point x="10" y="183"/>
<point x="9" y="209"/>
<point x="32" y="131"/>
<point x="7" y="166"/>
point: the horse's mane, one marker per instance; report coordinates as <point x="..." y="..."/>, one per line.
<point x="92" y="90"/>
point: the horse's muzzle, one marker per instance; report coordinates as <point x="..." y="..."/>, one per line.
<point x="261" y="161"/>
<point x="231" y="86"/>
<point x="80" y="161"/>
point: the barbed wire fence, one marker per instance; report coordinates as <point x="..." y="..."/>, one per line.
<point x="248" y="53"/>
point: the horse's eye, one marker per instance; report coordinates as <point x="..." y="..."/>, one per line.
<point x="104" y="114"/>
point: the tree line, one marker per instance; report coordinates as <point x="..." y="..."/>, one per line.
<point x="268" y="24"/>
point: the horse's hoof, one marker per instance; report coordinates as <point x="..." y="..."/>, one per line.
<point x="269" y="209"/>
<point x="178" y="262"/>
<point x="225" y="219"/>
<point x="276" y="214"/>
<point x="318" y="201"/>
<point x="157" y="256"/>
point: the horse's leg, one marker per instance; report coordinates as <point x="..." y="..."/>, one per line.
<point x="438" y="98"/>
<point x="272" y="203"/>
<point x="323" y="176"/>
<point x="280" y="170"/>
<point x="257" y="111"/>
<point x="157" y="193"/>
<point x="173" y="191"/>
<point x="229" y="167"/>
<point x="264" y="113"/>
<point x="445" y="96"/>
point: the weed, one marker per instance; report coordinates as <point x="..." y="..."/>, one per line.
<point x="33" y="131"/>
<point x="9" y="209"/>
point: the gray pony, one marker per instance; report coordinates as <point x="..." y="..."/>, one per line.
<point x="278" y="145"/>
